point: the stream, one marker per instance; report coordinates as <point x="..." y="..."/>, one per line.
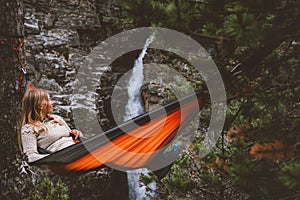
<point x="134" y="108"/>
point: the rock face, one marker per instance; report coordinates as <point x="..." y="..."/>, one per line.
<point x="59" y="34"/>
<point x="154" y="95"/>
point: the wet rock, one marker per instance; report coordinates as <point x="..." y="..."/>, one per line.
<point x="31" y="24"/>
<point x="154" y="95"/>
<point x="59" y="37"/>
<point x="34" y="44"/>
<point x="50" y="84"/>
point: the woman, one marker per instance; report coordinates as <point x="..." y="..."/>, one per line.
<point x="40" y="129"/>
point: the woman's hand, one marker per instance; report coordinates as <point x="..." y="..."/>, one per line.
<point x="75" y="133"/>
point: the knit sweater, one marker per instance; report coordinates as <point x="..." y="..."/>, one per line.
<point x="52" y="135"/>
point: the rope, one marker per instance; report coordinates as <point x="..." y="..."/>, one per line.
<point x="23" y="67"/>
<point x="23" y="70"/>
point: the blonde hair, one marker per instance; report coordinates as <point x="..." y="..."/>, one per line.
<point x="31" y="114"/>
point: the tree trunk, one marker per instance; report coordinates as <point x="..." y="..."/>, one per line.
<point x="11" y="34"/>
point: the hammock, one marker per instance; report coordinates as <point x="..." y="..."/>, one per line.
<point x="135" y="148"/>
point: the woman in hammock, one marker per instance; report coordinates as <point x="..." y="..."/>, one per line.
<point x="38" y="128"/>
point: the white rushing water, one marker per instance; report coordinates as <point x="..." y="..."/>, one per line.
<point x="134" y="108"/>
<point x="134" y="105"/>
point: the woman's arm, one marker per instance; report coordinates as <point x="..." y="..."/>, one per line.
<point x="29" y="143"/>
<point x="61" y="121"/>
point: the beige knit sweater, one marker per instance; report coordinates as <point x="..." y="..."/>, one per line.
<point x="52" y="135"/>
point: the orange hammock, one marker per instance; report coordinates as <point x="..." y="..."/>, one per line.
<point x="135" y="148"/>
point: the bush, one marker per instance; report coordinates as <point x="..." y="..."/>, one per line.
<point x="47" y="190"/>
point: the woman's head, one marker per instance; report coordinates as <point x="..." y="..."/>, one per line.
<point x="36" y="105"/>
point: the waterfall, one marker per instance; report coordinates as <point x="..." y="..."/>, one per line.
<point x="134" y="108"/>
<point x="134" y="105"/>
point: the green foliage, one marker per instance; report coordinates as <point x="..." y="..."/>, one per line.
<point x="290" y="175"/>
<point x="147" y="178"/>
<point x="180" y="181"/>
<point x="257" y="176"/>
<point x="244" y="28"/>
<point x="47" y="190"/>
<point x="255" y="44"/>
<point x="159" y="13"/>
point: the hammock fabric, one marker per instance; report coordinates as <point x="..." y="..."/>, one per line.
<point x="29" y="86"/>
<point x="134" y="148"/>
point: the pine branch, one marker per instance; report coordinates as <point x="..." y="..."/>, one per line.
<point x="209" y="37"/>
<point x="252" y="63"/>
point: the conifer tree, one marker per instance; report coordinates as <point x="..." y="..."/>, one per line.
<point x="255" y="45"/>
<point x="12" y="185"/>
